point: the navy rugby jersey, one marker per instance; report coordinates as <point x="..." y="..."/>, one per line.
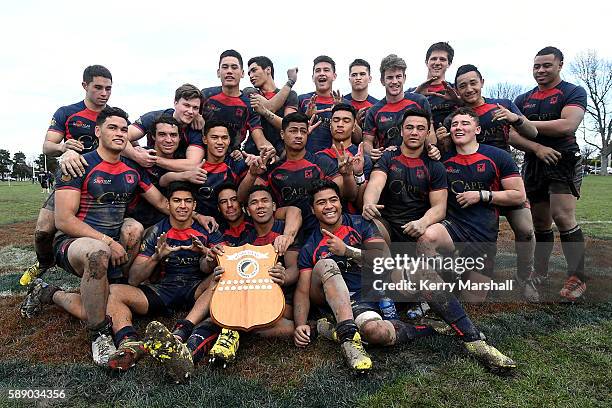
<point x="290" y="181"/>
<point x="189" y="136"/>
<point x="369" y="101"/>
<point x="235" y="111"/>
<point x="278" y="227"/>
<point x="238" y="235"/>
<point x="228" y="171"/>
<point x="495" y="132"/>
<point x="321" y="137"/>
<point x="409" y="182"/>
<point x="354" y="231"/>
<point x="183" y="263"/>
<point x="382" y="119"/>
<point x="483" y="170"/>
<point x="106" y="190"/>
<point x="273" y="134"/>
<point x="440" y="107"/>
<point x="76" y="122"/>
<point x="542" y="105"/>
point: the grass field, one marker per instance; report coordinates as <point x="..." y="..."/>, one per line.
<point x="564" y="351"/>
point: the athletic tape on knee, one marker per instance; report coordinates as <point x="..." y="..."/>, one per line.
<point x="366" y="317"/>
<point x="327" y="271"/>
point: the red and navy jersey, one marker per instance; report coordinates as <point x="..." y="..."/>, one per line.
<point x="278" y="227"/>
<point x="184" y="263"/>
<point x="321" y="137"/>
<point x="234" y="111"/>
<point x="238" y="235"/>
<point x="382" y="119"/>
<point x="229" y="171"/>
<point x="409" y="182"/>
<point x="189" y="136"/>
<point x="440" y="107"/>
<point x="273" y="134"/>
<point x="140" y="209"/>
<point x="290" y="181"/>
<point x="76" y="122"/>
<point x="330" y="157"/>
<point x="106" y="190"/>
<point x="354" y="231"/>
<point x="495" y="132"/>
<point x="542" y="105"/>
<point x="369" y="101"/>
<point x="483" y="170"/>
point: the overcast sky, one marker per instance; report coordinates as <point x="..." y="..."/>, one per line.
<point x="151" y="48"/>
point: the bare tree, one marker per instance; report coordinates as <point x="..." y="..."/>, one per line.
<point x="595" y="75"/>
<point x="505" y="90"/>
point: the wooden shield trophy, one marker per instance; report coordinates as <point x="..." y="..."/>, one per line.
<point x="245" y="297"/>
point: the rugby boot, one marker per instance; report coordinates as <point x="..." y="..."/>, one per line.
<point x="129" y="352"/>
<point x="163" y="346"/>
<point x="225" y="348"/>
<point x="30" y="274"/>
<point x="327" y="329"/>
<point x="355" y="355"/>
<point x="39" y="294"/>
<point x="573" y="288"/>
<point x="491" y="357"/>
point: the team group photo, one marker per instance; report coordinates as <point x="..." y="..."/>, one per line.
<point x="344" y="245"/>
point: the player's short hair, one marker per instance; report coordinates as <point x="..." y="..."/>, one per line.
<point x="464" y="110"/>
<point x="167" y="119"/>
<point x="441" y="46"/>
<point x="391" y="61"/>
<point x="551" y="50"/>
<point x="296" y="117"/>
<point x="225" y="186"/>
<point x="263" y="62"/>
<point x="231" y="53"/>
<point x="107" y="112"/>
<point x="175" y="186"/>
<point x="257" y="188"/>
<point x="323" y="58"/>
<point x="95" y="71"/>
<point x="344" y="107"/>
<point x="187" y="92"/>
<point x="422" y="113"/>
<point x="320" y="185"/>
<point x="464" y="69"/>
<point x="213" y="123"/>
<point x="358" y="62"/>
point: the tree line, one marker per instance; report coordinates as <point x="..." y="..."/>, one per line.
<point x="18" y="168"/>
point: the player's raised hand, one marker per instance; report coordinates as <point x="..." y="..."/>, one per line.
<point x="301" y="336"/>
<point x="208" y="222"/>
<point x="312" y="125"/>
<point x="258" y="103"/>
<point x="337" y="97"/>
<point x="344" y="160"/>
<point x="359" y="160"/>
<point x="198" y="122"/>
<point x="502" y="113"/>
<point x="372" y="211"/>
<point x="468" y="198"/>
<point x="292" y="74"/>
<point x="450" y="94"/>
<point x="268" y="154"/>
<point x="163" y="249"/>
<point x="282" y="243"/>
<point x="441" y="133"/>
<point x="311" y="108"/>
<point x="361" y="114"/>
<point x="256" y="165"/>
<point x="423" y="88"/>
<point x="196" y="245"/>
<point x="278" y="274"/>
<point x="72" y="164"/>
<point x="335" y="244"/>
<point x="197" y="176"/>
<point x="236" y="155"/>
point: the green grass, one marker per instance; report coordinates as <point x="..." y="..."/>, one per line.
<point x="20" y="202"/>
<point x="595" y="204"/>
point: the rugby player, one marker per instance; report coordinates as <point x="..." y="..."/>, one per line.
<point x="556" y="108"/>
<point x="70" y="134"/>
<point x="360" y="79"/>
<point x="381" y="127"/>
<point x="228" y="104"/>
<point x="441" y="95"/>
<point x="179" y="243"/>
<point x="320" y="102"/>
<point x="94" y="241"/>
<point x="270" y="102"/>
<point x="330" y="265"/>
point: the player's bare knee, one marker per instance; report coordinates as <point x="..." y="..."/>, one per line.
<point x="131" y="230"/>
<point x="564" y="221"/>
<point x="325" y="269"/>
<point x="46" y="222"/>
<point x="368" y="326"/>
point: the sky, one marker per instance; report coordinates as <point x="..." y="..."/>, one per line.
<point x="153" y="47"/>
